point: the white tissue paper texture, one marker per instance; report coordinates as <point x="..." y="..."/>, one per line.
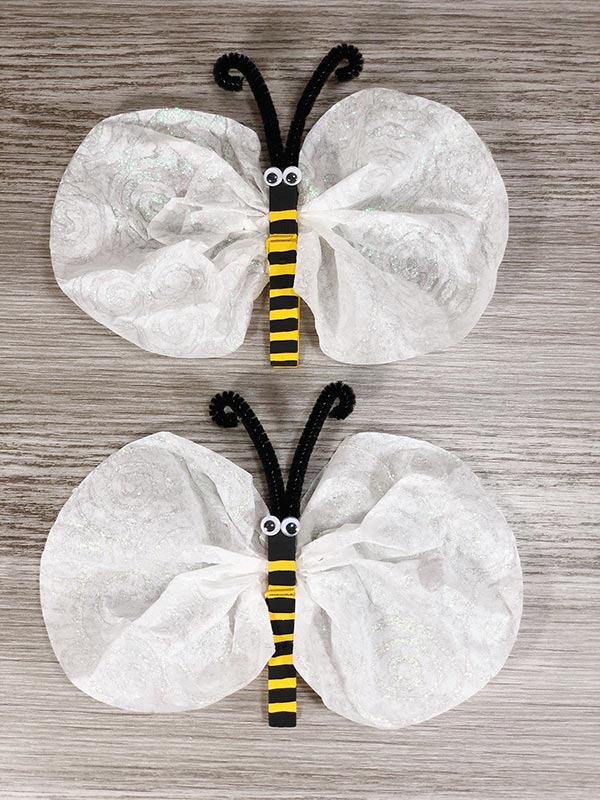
<point x="159" y="226"/>
<point x="411" y="590"/>
<point x="152" y="579"/>
<point x="409" y="583"/>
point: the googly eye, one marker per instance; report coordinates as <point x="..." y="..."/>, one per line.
<point x="290" y="526"/>
<point x="270" y="525"/>
<point x="292" y="176"/>
<point x="273" y="176"/>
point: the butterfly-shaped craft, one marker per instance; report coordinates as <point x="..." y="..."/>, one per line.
<point x="389" y="221"/>
<point x="394" y="589"/>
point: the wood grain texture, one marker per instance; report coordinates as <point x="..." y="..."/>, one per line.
<point x="518" y="399"/>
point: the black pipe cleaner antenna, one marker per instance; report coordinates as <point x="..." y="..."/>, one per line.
<point x="279" y="156"/>
<point x="240" y="410"/>
<point x="233" y="83"/>
<point x="313" y="89"/>
<point x="336" y="400"/>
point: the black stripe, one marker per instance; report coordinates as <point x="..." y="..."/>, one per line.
<point x="287" y="301"/>
<point x="284" y="648"/>
<point x="280" y="626"/>
<point x="283" y="325"/>
<point x="282" y="696"/>
<point x="283" y="197"/>
<point x="282" y="577"/>
<point x="283" y="226"/>
<point x="293" y="363"/>
<point x="281" y="282"/>
<point x="281" y="605"/>
<point x="284" y="257"/>
<point x="282" y="671"/>
<point x="284" y="346"/>
<point x="282" y="719"/>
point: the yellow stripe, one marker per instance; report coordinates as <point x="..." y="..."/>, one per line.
<point x="275" y="357"/>
<point x="282" y="566"/>
<point x="282" y="237"/>
<point x="285" y="313"/>
<point x="281" y="591"/>
<point x="279" y="661"/>
<point x="276" y="245"/>
<point x="282" y="269"/>
<point x="275" y="615"/>
<point x="275" y="216"/>
<point x="282" y="336"/>
<point x="275" y="707"/>
<point x="282" y="293"/>
<point x="282" y="683"/>
<point x="283" y="637"/>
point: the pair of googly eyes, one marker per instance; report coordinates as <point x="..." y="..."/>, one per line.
<point x="290" y="175"/>
<point x="289" y="526"/>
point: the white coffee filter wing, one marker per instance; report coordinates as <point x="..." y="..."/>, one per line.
<point x="158" y="230"/>
<point x="152" y="579"/>
<point x="404" y="221"/>
<point x="410" y="586"/>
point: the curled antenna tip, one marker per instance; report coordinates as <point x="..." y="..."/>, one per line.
<point x="345" y="397"/>
<point x="218" y="410"/>
<point x="221" y="74"/>
<point x="355" y="62"/>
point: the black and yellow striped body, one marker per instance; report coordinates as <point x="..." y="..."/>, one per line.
<point x="281" y="602"/>
<point x="284" y="303"/>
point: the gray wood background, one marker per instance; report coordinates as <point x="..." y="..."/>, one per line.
<point x="518" y="399"/>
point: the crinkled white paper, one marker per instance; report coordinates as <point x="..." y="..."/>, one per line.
<point x="409" y="584"/>
<point x="411" y="590"/>
<point x="159" y="226"/>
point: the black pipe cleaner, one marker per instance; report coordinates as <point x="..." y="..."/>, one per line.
<point x="233" y="83"/>
<point x="314" y="87"/>
<point x="337" y="400"/>
<point x="279" y="156"/>
<point x="240" y="410"/>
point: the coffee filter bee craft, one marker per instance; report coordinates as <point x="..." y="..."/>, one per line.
<point x="389" y="221"/>
<point x="393" y="587"/>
